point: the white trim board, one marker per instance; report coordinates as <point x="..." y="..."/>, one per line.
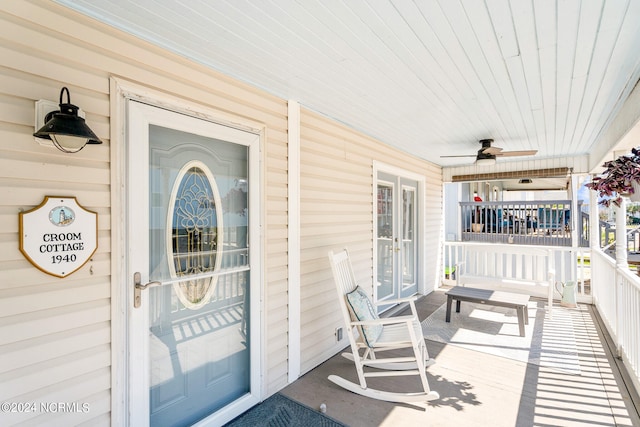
<point x="293" y="241"/>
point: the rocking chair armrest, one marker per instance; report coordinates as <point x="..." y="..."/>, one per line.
<point x="396" y="301"/>
<point x="385" y="321"/>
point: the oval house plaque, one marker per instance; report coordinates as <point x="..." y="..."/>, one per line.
<point x="194" y="233"/>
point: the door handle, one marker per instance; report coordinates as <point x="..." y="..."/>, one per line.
<point x="138" y="288"/>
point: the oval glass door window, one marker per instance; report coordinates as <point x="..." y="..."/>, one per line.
<point x="194" y="234"/>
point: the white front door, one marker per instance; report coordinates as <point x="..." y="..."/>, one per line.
<point x="193" y="240"/>
<point x="397" y="244"/>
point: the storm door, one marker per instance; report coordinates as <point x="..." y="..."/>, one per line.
<point x="193" y="313"/>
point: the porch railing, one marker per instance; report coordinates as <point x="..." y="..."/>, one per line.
<point x="616" y="294"/>
<point x="609" y="231"/>
<point x="607" y="234"/>
<point x="545" y="223"/>
<point x="614" y="290"/>
<point x="501" y="261"/>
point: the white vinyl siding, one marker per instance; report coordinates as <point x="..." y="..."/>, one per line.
<point x="55" y="334"/>
<point x="336" y="187"/>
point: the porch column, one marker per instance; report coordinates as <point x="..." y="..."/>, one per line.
<point x="575" y="219"/>
<point x="594" y="221"/>
<point x="621" y="234"/>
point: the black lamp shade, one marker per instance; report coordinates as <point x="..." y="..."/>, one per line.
<point x="66" y="129"/>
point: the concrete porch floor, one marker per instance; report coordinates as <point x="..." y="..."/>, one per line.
<point x="479" y="389"/>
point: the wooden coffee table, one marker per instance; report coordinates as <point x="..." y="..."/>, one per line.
<point x="496" y="298"/>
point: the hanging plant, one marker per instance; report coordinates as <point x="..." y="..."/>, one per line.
<point x="621" y="178"/>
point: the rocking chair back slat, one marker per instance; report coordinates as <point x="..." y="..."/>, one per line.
<point x="343" y="271"/>
<point x="345" y="282"/>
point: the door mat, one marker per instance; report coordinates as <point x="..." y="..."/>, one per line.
<point x="281" y="411"/>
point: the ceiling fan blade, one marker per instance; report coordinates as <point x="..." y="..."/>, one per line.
<point x="492" y="150"/>
<point x="516" y="153"/>
<point x="489" y="153"/>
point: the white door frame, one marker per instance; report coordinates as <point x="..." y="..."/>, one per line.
<point x="420" y="217"/>
<point x="121" y="285"/>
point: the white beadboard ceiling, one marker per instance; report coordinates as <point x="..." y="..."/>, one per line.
<point x="430" y="77"/>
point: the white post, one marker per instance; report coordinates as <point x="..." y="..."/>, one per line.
<point x="552" y="284"/>
<point x="621" y="261"/>
<point x="594" y="221"/>
<point x="621" y="234"/>
<point x="594" y="235"/>
<point x="574" y="224"/>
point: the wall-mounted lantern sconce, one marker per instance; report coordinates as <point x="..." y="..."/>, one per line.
<point x="68" y="131"/>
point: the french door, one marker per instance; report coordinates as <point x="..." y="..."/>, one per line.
<point x="396" y="237"/>
<point x="192" y="249"/>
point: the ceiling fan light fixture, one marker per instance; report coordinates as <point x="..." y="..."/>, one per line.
<point x="489" y="161"/>
<point x="485" y="158"/>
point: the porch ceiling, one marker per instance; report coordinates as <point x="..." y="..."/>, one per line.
<point x="430" y="77"/>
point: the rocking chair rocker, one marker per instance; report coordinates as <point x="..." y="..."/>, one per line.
<point x="377" y="335"/>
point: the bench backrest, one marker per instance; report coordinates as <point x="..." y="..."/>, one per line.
<point x="524" y="269"/>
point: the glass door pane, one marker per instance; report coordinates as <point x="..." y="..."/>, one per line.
<point x="198" y="329"/>
<point x="408" y="253"/>
<point x="385" y="240"/>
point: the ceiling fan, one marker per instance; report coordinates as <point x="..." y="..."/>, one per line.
<point x="487" y="154"/>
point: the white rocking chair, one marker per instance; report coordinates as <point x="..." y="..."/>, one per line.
<point x="377" y="335"/>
